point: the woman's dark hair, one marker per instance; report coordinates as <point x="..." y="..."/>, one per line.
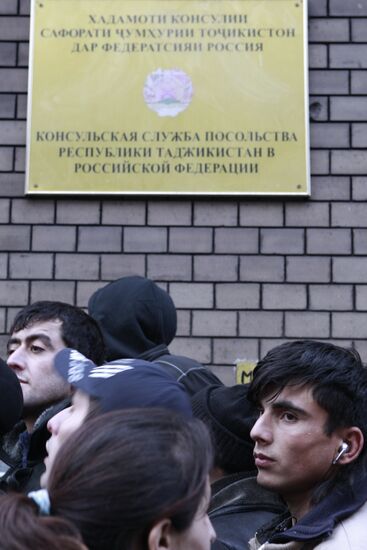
<point x="123" y="471"/>
<point x="22" y="527"/>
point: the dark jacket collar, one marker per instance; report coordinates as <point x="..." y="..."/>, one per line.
<point x="154" y="353"/>
<point x="340" y="503"/>
<point x="242" y="490"/>
<point x="12" y="444"/>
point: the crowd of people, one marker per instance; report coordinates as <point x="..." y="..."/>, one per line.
<point x="110" y="442"/>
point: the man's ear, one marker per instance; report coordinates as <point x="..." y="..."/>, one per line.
<point x="353" y="437"/>
<point x="160" y="535"/>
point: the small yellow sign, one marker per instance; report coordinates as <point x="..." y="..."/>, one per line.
<point x="168" y="97"/>
<point x="244" y="371"/>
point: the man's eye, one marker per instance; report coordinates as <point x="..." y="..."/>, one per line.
<point x="10" y="351"/>
<point x="289" y="417"/>
<point x="36" y="349"/>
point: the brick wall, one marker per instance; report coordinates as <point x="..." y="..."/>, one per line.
<point x="245" y="275"/>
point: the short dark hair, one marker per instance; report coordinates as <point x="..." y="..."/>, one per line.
<point x="146" y="464"/>
<point x="336" y="376"/>
<point x="78" y="329"/>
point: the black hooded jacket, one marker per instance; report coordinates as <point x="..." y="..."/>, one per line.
<point x="342" y="502"/>
<point x="138" y="320"/>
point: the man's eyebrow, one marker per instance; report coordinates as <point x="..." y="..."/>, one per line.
<point x="40" y="336"/>
<point x="37" y="336"/>
<point x="285" y="404"/>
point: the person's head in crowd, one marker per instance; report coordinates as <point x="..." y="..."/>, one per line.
<point x="134" y="480"/>
<point x="229" y="416"/>
<point x="22" y="527"/>
<point x="128" y="383"/>
<point x="312" y="427"/>
<point x="138" y="320"/>
<point x="11" y="402"/>
<point x="37" y="333"/>
<point x="135" y="316"/>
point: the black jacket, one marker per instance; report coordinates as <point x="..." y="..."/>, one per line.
<point x="24" y="453"/>
<point x="318" y="524"/>
<point x="238" y="507"/>
<point x="138" y="320"/>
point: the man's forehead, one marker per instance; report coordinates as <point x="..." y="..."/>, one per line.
<point x="290" y="392"/>
<point x="51" y="328"/>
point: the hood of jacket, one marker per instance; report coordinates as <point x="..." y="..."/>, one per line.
<point x="340" y="503"/>
<point x="135" y="316"/>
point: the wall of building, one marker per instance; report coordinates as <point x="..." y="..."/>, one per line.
<point x="245" y="274"/>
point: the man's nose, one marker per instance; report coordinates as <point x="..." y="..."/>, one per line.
<point x="16" y="359"/>
<point x="261" y="430"/>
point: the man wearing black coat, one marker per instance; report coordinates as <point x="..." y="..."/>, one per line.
<point x="138" y="320"/>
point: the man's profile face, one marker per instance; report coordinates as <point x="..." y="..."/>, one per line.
<point x="31" y="352"/>
<point x="293" y="453"/>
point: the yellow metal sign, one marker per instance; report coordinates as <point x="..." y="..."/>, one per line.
<point x="168" y="97"/>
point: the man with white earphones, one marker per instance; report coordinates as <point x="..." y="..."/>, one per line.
<point x="310" y="445"/>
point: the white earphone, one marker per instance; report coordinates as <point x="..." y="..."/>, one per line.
<point x="344" y="447"/>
